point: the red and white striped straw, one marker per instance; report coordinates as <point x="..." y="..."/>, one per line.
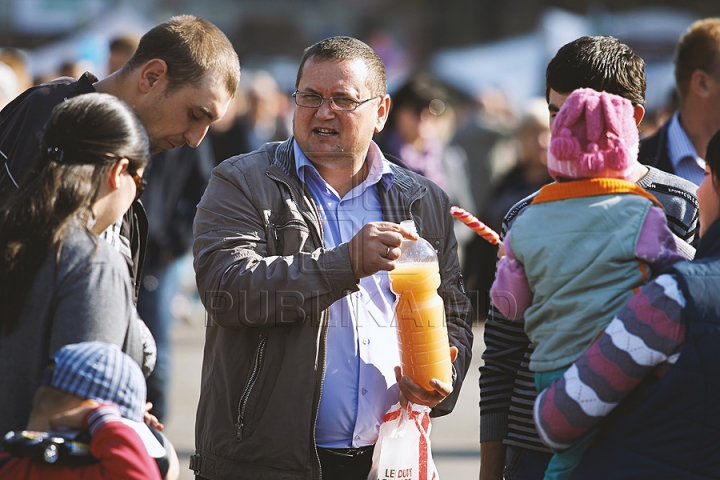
<point x="476" y="225"/>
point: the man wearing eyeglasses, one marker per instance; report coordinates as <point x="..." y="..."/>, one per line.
<point x="293" y="243"/>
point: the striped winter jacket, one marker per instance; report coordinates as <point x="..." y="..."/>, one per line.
<point x="650" y="381"/>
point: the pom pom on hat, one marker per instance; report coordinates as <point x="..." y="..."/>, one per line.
<point x="565" y="146"/>
<point x="594" y="135"/>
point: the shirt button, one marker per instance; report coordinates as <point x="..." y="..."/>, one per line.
<point x="357" y="437"/>
<point x="366" y="341"/>
<point x="364" y="391"/>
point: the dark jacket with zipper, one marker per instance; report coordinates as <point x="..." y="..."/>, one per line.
<point x="267" y="283"/>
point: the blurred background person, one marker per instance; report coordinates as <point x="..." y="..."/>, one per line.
<point x="486" y="136"/>
<point x="74" y="68"/>
<point x="532" y="138"/>
<point x="530" y="170"/>
<point x="257" y="116"/>
<point x="679" y="145"/>
<point x="420" y="124"/>
<point x="121" y="49"/>
<point x="226" y="135"/>
<point x="266" y="117"/>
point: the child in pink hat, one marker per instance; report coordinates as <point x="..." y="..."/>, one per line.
<point x="573" y="258"/>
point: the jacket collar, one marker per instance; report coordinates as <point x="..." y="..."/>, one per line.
<point x="86" y="83"/>
<point x="590" y="188"/>
<point x="285" y="160"/>
<point x="284" y="157"/>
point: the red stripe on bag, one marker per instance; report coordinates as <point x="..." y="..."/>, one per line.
<point x="423" y="447"/>
<point x="392" y="415"/>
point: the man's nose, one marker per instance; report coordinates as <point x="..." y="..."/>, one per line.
<point x="325" y="110"/>
<point x="194" y="136"/>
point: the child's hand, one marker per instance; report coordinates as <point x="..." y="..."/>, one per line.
<point x="151" y="419"/>
<point x="74" y="417"/>
<point x="501" y="251"/>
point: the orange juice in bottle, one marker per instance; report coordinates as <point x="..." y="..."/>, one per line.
<point x="420" y="313"/>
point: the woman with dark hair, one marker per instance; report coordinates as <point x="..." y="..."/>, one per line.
<point x="59" y="282"/>
<point x="651" y="381"/>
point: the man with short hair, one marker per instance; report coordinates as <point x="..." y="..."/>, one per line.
<point x="293" y="243"/>
<point x="179" y="81"/>
<point x="679" y="146"/>
<point x="509" y="442"/>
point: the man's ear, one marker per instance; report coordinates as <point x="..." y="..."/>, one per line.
<point x="699" y="83"/>
<point x="152" y="74"/>
<point x="115" y="172"/>
<point x="638" y="114"/>
<point x="383" y="112"/>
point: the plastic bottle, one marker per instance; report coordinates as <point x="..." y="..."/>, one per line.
<point x="420" y="313"/>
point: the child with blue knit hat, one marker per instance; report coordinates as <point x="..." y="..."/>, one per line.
<point x="573" y="258"/>
<point x="90" y="386"/>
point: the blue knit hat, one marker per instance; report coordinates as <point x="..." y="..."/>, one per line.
<point x="99" y="371"/>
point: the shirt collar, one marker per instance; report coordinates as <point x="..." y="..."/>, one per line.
<point x="679" y="144"/>
<point x="378" y="167"/>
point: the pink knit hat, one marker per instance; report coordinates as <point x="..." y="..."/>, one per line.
<point x="594" y="135"/>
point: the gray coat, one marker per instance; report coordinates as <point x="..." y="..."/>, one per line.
<point x="267" y="283"/>
<point x="83" y="296"/>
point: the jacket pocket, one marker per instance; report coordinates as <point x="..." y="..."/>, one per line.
<point x="243" y="413"/>
<point x="288" y="238"/>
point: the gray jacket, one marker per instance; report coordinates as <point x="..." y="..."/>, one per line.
<point x="267" y="282"/>
<point x="84" y="294"/>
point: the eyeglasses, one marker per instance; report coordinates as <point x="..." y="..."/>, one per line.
<point x="140" y="182"/>
<point x="313" y="100"/>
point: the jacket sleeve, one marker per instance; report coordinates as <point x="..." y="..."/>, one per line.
<point x="656" y="244"/>
<point x="511" y="292"/>
<point x="648" y="332"/>
<point x="240" y="281"/>
<point x="119" y="449"/>
<point x="458" y="311"/>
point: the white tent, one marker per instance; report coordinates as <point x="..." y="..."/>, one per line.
<point x="517" y="65"/>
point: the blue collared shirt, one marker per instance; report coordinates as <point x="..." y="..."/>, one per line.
<point x="684" y="158"/>
<point x="362" y="348"/>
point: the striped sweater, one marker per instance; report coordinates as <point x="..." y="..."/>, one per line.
<point x="507" y="387"/>
<point x="645" y="338"/>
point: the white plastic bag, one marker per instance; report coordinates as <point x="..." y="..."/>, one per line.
<point x="403" y="447"/>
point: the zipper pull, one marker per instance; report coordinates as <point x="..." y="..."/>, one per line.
<point x="238" y="429"/>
